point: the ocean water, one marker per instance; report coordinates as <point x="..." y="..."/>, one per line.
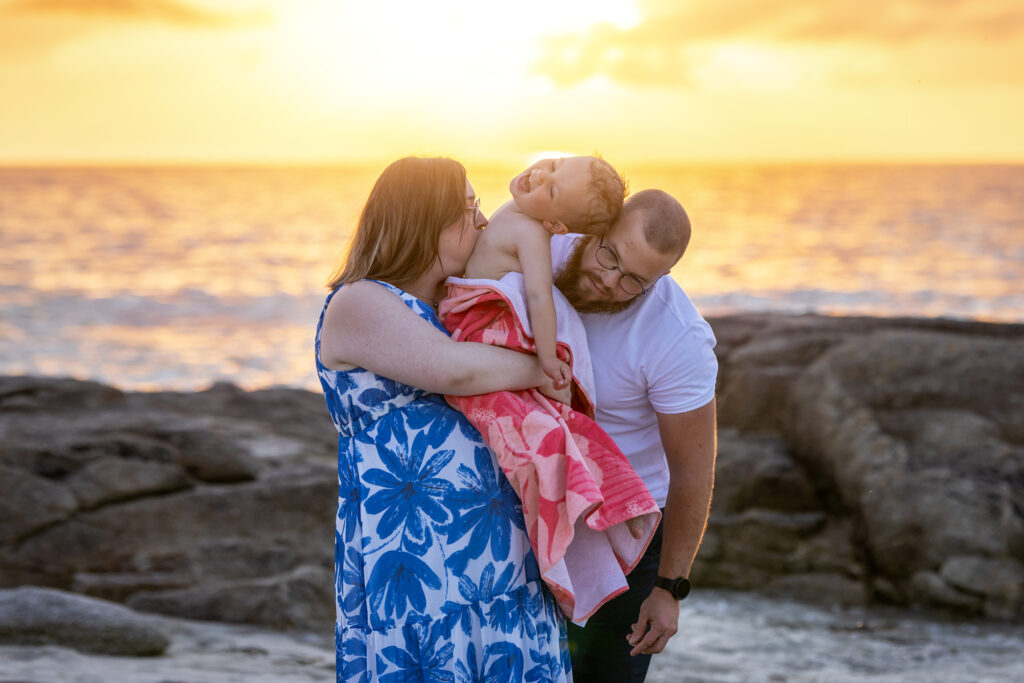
<point x="179" y="277"/>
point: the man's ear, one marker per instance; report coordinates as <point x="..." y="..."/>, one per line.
<point x="555" y="227"/>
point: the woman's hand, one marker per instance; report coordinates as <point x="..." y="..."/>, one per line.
<point x="557" y="389"/>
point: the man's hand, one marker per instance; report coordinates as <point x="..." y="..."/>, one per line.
<point x="659" y="612"/>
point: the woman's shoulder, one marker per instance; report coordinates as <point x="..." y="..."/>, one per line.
<point x="373" y="300"/>
<point x="365" y="292"/>
<point x="366" y="287"/>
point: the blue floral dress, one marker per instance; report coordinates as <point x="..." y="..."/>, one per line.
<point x="434" y="575"/>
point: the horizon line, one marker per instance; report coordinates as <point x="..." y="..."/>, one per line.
<point x="134" y="162"/>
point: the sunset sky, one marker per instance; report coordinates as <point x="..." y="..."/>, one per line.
<point x="85" y="81"/>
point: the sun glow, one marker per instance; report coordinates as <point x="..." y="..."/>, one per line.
<point x="445" y="76"/>
<point x="547" y="154"/>
<point x="444" y="55"/>
<point x="654" y="80"/>
<point x="758" y="68"/>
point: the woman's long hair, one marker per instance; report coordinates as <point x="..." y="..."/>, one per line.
<point x="400" y="226"/>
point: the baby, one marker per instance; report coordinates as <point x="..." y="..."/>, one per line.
<point x="554" y="196"/>
<point x="588" y="515"/>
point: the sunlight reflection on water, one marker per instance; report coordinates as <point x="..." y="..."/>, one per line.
<point x="176" y="277"/>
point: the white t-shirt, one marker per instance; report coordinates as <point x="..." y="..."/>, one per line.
<point x="657" y="356"/>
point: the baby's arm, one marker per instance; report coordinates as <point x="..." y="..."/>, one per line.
<point x="533" y="244"/>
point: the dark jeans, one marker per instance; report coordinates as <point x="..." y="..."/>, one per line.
<point x="599" y="651"/>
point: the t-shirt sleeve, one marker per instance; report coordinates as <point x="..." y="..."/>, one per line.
<point x="681" y="375"/>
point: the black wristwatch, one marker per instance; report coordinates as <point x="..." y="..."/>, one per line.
<point x="679" y="588"/>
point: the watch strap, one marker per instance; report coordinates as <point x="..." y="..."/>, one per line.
<point x="679" y="588"/>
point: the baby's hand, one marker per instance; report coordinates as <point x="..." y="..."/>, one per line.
<point x="558" y="371"/>
<point x="560" y="395"/>
<point x="551" y="388"/>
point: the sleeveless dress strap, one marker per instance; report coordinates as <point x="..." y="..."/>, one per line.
<point x="367" y="397"/>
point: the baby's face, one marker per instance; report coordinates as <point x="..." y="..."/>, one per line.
<point x="552" y="189"/>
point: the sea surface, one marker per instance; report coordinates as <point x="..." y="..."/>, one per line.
<point x="175" y="277"/>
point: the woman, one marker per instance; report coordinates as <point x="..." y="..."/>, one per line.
<point x="434" y="574"/>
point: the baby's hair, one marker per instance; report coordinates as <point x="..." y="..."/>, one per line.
<point x="607" y="191"/>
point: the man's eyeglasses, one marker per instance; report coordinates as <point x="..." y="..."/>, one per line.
<point x="609" y="260"/>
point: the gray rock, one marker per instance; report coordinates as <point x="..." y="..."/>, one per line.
<point x="211" y="457"/>
<point x="939" y="429"/>
<point x="755" y="398"/>
<point x="32" y="394"/>
<point x="301" y="599"/>
<point x="757" y="471"/>
<point x="832" y="589"/>
<point x="853" y="452"/>
<point x="928" y="588"/>
<point x="107" y="480"/>
<point x="137" y="535"/>
<point x="887" y="591"/>
<point x="41" y="616"/>
<point x="122" y="495"/>
<point x="771" y="544"/>
<point x="29" y="503"/>
<point x="915" y="520"/>
<point x="294" y="413"/>
<point x="738" y="575"/>
<point x="764" y="541"/>
<point x="915" y="431"/>
<point x="769" y="528"/>
<point x="833" y="550"/>
<point x="999" y="581"/>
<point x="119" y="586"/>
<point x="795" y="348"/>
<point x="907" y="434"/>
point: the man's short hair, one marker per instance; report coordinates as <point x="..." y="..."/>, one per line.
<point x="666" y="225"/>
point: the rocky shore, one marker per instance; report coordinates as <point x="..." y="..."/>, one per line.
<point x="870" y="460"/>
<point x="861" y="460"/>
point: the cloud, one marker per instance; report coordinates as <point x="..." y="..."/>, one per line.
<point x="160" y="11"/>
<point x="663" y="49"/>
<point x="31" y="30"/>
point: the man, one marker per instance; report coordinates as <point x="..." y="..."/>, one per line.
<point x="655" y="373"/>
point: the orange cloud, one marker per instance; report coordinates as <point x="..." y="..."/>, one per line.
<point x="31" y="29"/>
<point x="163" y="11"/>
<point x="659" y="49"/>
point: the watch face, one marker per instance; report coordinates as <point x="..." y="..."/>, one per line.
<point x="679" y="588"/>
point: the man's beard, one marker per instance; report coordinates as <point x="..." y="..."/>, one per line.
<point x="570" y="283"/>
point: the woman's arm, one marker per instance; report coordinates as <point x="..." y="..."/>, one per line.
<point x="368" y="326"/>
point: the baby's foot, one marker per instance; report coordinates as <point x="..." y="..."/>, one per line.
<point x="636" y="527"/>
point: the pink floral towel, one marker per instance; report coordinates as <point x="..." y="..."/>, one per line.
<point x="576" y="486"/>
